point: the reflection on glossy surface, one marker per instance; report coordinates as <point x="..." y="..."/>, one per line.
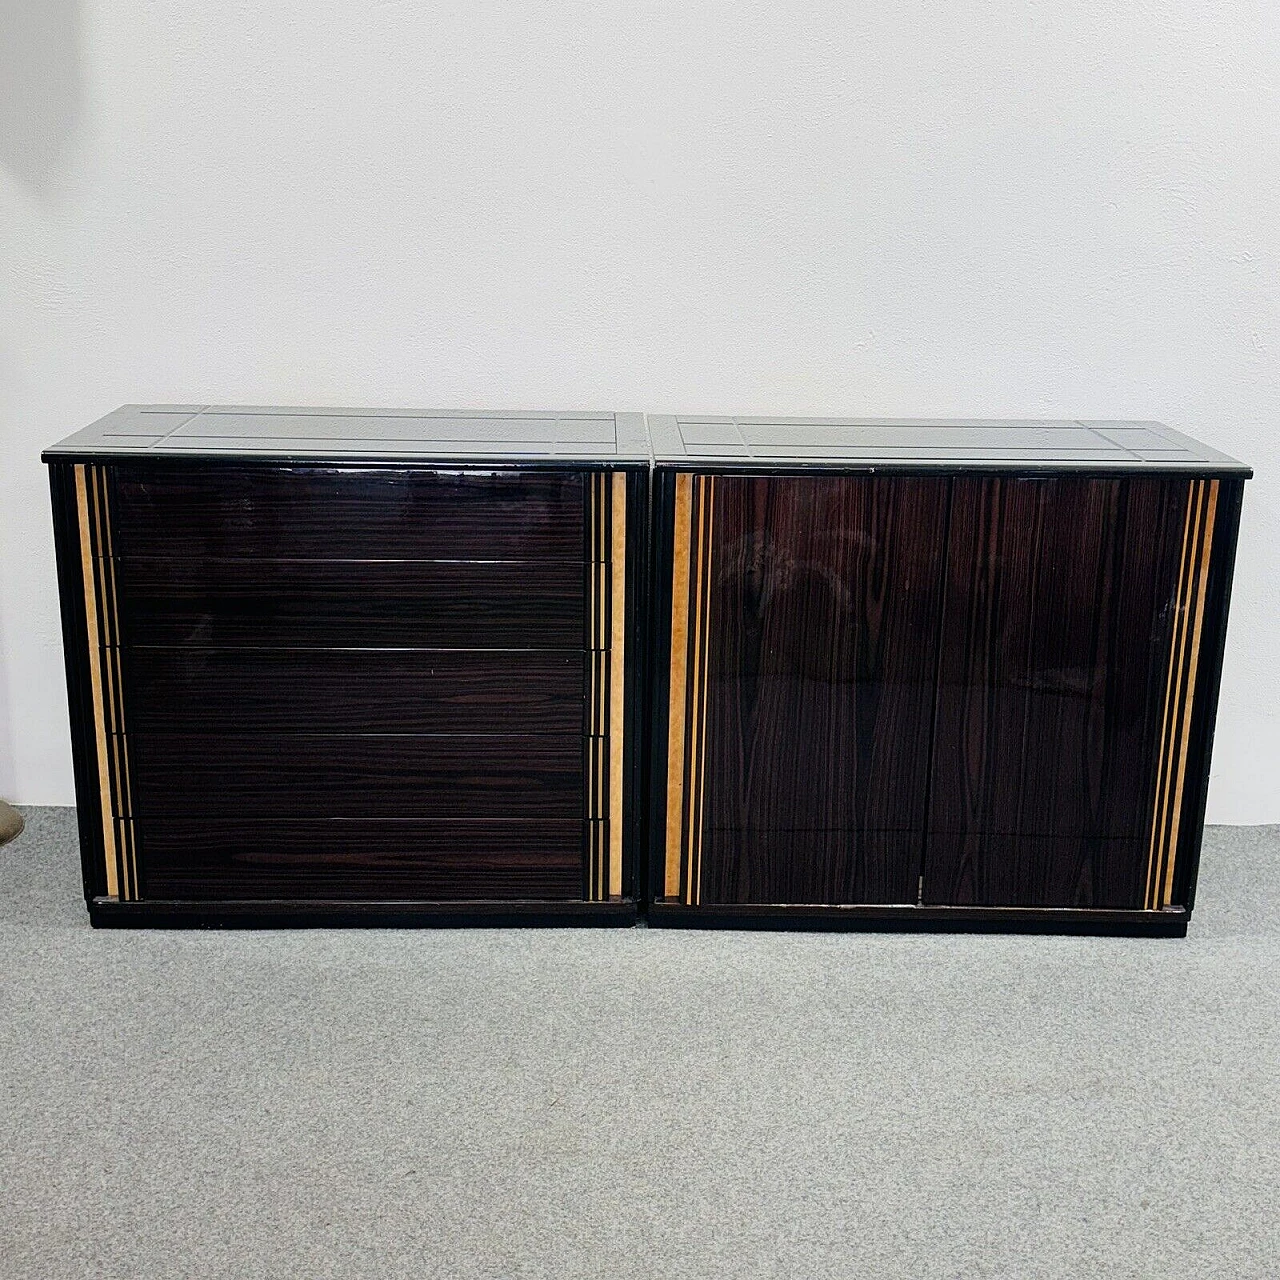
<point x="1060" y="595"/>
<point x="346" y="513"/>
<point x="823" y="608"/>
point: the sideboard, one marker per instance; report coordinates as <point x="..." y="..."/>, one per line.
<point x="333" y="666"/>
<point x="380" y="666"/>
<point x="956" y="675"/>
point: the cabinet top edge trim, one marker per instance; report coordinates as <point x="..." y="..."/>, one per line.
<point x="747" y="469"/>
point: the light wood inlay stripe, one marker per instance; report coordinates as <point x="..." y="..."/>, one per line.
<point x="679" y="668"/>
<point x="1177" y="671"/>
<point x="89" y="574"/>
<point x="106" y="681"/>
<point x="617" y="670"/>
<point x="1180" y="687"/>
<point x="1184" y="743"/>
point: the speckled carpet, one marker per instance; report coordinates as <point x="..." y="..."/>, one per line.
<point x="643" y="1103"/>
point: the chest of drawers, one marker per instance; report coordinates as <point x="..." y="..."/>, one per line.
<point x="337" y="666"/>
<point x="955" y="675"/>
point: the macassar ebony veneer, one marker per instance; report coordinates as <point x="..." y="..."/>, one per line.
<point x="355" y="666"/>
<point x="956" y="675"/>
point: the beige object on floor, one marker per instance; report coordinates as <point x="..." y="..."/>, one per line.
<point x="10" y="822"/>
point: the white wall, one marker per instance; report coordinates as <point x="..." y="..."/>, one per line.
<point x="1007" y="208"/>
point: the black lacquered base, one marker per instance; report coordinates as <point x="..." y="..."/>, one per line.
<point x="904" y="919"/>
<point x="108" y="913"/>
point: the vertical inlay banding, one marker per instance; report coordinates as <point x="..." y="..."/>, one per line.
<point x="106" y="689"/>
<point x="88" y="570"/>
<point x="695" y="501"/>
<point x="679" y="665"/>
<point x="1180" y="690"/>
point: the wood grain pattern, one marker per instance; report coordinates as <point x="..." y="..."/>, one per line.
<point x="352" y="513"/>
<point x="336" y="691"/>
<point x="1056" y="636"/>
<point x="359" y="776"/>
<point x="362" y="860"/>
<point x="820" y="607"/>
<point x="338" y="604"/>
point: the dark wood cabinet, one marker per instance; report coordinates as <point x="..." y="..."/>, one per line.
<point x="378" y="666"/>
<point x="339" y="667"/>
<point x="960" y="675"/>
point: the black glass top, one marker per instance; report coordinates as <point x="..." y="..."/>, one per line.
<point x="707" y="441"/>
<point x="361" y="434"/>
<point x="686" y="441"/>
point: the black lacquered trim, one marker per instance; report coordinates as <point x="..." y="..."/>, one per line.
<point x="1171" y="923"/>
<point x="153" y="914"/>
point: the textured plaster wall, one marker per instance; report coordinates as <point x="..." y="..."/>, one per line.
<point x="1005" y="209"/>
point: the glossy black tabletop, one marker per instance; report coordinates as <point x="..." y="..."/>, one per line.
<point x="361" y="435"/>
<point x="707" y="442"/>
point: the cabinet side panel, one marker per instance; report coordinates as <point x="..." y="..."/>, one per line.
<point x="1062" y="603"/>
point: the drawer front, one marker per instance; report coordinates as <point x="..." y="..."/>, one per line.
<point x="358" y="776"/>
<point x="337" y="691"/>
<point x="347" y="513"/>
<point x="362" y="860"/>
<point x="374" y="604"/>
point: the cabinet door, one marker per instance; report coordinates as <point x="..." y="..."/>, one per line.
<point x="805" y="618"/>
<point x="1066" y="665"/>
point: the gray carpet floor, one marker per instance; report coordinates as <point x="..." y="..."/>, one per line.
<point x="643" y="1103"/>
